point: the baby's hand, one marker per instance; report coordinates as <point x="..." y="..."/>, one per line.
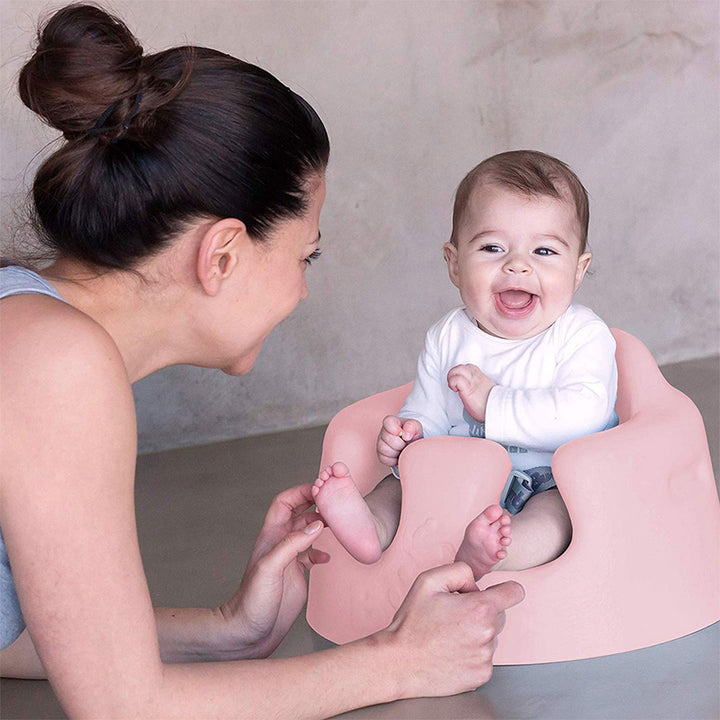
<point x="473" y="387"/>
<point x="396" y="433"/>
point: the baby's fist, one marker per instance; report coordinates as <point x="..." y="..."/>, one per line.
<point x="473" y="387"/>
<point x="395" y="435"/>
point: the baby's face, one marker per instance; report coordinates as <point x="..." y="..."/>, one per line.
<point x="517" y="262"/>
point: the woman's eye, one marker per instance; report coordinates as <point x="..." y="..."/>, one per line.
<point x="491" y="248"/>
<point x="545" y="251"/>
<point x="314" y="255"/>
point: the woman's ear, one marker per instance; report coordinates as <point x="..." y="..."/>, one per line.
<point x="219" y="253"/>
<point x="582" y="266"/>
<point x="451" y="258"/>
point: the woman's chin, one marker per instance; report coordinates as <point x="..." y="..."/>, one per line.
<point x="235" y="372"/>
<point x="243" y="364"/>
<point x="240" y="367"/>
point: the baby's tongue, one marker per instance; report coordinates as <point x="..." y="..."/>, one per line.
<point x="515" y="298"/>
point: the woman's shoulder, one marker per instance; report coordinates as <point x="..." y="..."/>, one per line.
<point x="39" y="332"/>
<point x="58" y="363"/>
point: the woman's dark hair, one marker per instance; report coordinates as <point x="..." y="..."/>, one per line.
<point x="155" y="141"/>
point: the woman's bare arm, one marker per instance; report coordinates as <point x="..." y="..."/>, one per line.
<point x="68" y="520"/>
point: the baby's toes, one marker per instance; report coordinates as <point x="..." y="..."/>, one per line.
<point x="339" y="469"/>
<point x="491" y="514"/>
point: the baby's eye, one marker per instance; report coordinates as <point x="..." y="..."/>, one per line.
<point x="491" y="248"/>
<point x="314" y="255"/>
<point x="545" y="251"/>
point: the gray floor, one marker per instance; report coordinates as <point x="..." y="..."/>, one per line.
<point x="199" y="510"/>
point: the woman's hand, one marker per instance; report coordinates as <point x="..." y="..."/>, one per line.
<point x="445" y="632"/>
<point x="274" y="586"/>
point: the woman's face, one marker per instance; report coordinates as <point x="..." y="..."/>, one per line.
<point x="276" y="281"/>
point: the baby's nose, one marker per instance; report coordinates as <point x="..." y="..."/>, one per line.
<point x="517" y="266"/>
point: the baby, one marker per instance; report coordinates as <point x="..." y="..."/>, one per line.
<point x="518" y="364"/>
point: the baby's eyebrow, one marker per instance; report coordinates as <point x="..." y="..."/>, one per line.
<point x="551" y="236"/>
<point x="483" y="233"/>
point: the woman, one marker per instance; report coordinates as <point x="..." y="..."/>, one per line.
<point x="183" y="209"/>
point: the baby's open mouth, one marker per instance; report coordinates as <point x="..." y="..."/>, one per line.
<point x="515" y="303"/>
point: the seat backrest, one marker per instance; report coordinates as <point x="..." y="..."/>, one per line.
<point x="641" y="385"/>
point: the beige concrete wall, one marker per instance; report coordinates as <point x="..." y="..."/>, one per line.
<point x="414" y="94"/>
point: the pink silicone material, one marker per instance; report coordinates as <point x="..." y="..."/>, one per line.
<point x="643" y="566"/>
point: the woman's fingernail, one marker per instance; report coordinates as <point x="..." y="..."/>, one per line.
<point x="314" y="527"/>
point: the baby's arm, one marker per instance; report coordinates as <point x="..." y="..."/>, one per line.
<point x="395" y="435"/>
<point x="581" y="400"/>
<point x="423" y="413"/>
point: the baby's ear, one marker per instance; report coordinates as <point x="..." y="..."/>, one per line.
<point x="451" y="258"/>
<point x="582" y="266"/>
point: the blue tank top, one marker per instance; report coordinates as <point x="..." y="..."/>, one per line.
<point x="15" y="280"/>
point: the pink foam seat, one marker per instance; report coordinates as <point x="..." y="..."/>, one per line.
<point x="643" y="566"/>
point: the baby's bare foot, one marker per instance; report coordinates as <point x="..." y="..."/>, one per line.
<point x="486" y="538"/>
<point x="346" y="513"/>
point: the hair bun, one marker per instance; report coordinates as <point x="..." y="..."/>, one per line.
<point x="85" y="61"/>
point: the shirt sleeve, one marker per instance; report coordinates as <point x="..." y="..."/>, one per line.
<point x="581" y="400"/>
<point x="426" y="401"/>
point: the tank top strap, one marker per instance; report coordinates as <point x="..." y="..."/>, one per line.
<point x="18" y="280"/>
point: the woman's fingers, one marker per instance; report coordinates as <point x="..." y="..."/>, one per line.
<point x="505" y="595"/>
<point x="294" y="500"/>
<point x="313" y="557"/>
<point x="448" y="630"/>
<point x="456" y="577"/>
<point x="289" y="548"/>
<point x="308" y="518"/>
<point x="288" y="511"/>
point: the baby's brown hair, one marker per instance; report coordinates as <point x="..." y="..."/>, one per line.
<point x="529" y="172"/>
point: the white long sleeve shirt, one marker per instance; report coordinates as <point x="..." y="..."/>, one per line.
<point x="550" y="388"/>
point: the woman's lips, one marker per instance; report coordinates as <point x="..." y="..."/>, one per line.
<point x="515" y="303"/>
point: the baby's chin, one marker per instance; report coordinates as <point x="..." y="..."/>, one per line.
<point x="512" y="334"/>
<point x="521" y="323"/>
